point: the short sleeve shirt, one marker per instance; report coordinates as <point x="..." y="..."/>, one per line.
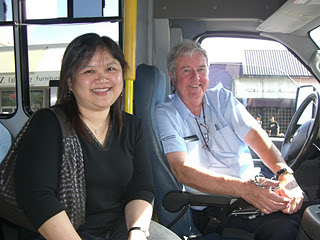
<point x="227" y="121"/>
<point x="273" y="127"/>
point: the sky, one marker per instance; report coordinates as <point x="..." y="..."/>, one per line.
<point x="232" y="50"/>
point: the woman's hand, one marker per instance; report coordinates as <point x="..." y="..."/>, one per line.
<point x="137" y="235"/>
<point x="138" y="215"/>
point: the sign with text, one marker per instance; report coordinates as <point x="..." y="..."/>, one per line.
<point x="40" y="79"/>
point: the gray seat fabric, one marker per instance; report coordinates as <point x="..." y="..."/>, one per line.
<point x="150" y="90"/>
<point x="5" y="141"/>
<point x="7" y="231"/>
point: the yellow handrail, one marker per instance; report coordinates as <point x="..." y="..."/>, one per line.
<point x="130" y="36"/>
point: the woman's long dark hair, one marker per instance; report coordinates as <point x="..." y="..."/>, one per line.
<point x="78" y="53"/>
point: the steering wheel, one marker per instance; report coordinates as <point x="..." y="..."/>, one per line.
<point x="298" y="142"/>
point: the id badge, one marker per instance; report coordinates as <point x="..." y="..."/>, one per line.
<point x="192" y="138"/>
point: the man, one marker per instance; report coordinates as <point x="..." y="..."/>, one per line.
<point x="205" y="133"/>
<point x="259" y="120"/>
<point x="273" y="127"/>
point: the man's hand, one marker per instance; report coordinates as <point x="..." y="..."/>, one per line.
<point x="289" y="188"/>
<point x="263" y="197"/>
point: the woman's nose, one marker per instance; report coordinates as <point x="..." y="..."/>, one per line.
<point x="102" y="77"/>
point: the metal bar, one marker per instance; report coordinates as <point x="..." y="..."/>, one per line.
<point x="130" y="36"/>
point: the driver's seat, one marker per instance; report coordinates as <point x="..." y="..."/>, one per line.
<point x="171" y="203"/>
<point x="149" y="90"/>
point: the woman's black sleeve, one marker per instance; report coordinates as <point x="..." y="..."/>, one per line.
<point x="141" y="185"/>
<point x="38" y="167"/>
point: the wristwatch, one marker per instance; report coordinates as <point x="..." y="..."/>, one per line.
<point x="145" y="231"/>
<point x="284" y="170"/>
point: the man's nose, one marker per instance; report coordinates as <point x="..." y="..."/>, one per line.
<point x="195" y="74"/>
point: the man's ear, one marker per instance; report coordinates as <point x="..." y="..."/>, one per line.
<point x="171" y="77"/>
<point x="69" y="84"/>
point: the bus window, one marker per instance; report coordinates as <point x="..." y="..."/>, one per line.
<point x="46" y="45"/>
<point x="262" y="74"/>
<point x="8" y="97"/>
<point x="5" y="10"/>
<point x="47" y="39"/>
<point x="81" y="9"/>
<point x="315" y="36"/>
<point x="35" y="9"/>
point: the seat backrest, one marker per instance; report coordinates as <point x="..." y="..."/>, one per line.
<point x="5" y="141"/>
<point x="150" y="90"/>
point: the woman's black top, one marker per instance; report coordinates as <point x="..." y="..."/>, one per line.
<point x="116" y="173"/>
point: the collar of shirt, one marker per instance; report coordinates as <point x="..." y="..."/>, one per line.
<point x="182" y="108"/>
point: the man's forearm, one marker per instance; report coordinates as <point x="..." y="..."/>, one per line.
<point x="258" y="140"/>
<point x="201" y="178"/>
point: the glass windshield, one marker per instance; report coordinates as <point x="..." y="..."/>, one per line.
<point x="315" y="36"/>
<point x="261" y="74"/>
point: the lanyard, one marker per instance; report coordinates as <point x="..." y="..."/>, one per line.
<point x="205" y="146"/>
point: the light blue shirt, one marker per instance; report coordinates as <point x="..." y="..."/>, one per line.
<point x="228" y="122"/>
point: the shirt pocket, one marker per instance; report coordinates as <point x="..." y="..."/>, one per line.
<point x="226" y="141"/>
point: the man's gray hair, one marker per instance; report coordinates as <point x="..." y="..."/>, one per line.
<point x="187" y="47"/>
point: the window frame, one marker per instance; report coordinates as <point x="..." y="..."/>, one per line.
<point x="19" y="24"/>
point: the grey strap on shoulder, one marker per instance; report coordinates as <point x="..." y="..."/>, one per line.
<point x="71" y="185"/>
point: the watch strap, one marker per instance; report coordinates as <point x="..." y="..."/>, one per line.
<point x="284" y="170"/>
<point x="145" y="231"/>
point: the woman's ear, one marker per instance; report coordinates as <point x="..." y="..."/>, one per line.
<point x="69" y="84"/>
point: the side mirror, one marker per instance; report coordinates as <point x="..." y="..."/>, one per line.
<point x="302" y="93"/>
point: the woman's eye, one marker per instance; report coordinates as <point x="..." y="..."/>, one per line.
<point x="111" y="69"/>
<point x="89" y="71"/>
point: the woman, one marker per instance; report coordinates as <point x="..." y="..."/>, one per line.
<point x="118" y="180"/>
